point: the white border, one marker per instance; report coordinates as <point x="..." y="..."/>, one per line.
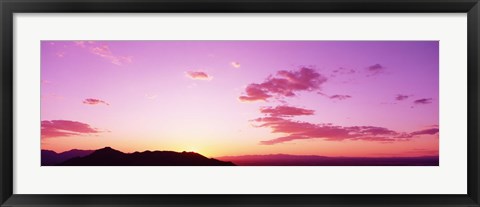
<point x="449" y="178"/>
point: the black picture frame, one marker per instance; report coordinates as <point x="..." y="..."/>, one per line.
<point x="10" y="7"/>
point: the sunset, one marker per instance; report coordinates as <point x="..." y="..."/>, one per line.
<point x="237" y="100"/>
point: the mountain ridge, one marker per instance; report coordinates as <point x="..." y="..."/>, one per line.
<point x="50" y="157"/>
<point x="108" y="156"/>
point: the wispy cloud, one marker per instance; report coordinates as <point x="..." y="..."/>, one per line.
<point x="94" y="101"/>
<point x="65" y="128"/>
<point x="423" y="101"/>
<point x="336" y="96"/>
<point x="340" y="97"/>
<point x="375" y="69"/>
<point x="198" y="75"/>
<point x="281" y="111"/>
<point x="297" y="130"/>
<point x="425" y="131"/>
<point x="401" y="97"/>
<point x="284" y="84"/>
<point x="104" y="51"/>
<point x="342" y="71"/>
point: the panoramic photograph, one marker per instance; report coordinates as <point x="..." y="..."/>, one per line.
<point x="239" y="103"/>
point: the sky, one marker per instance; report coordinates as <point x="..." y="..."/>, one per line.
<point x="228" y="98"/>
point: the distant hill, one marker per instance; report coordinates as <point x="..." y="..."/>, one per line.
<point x="111" y="157"/>
<point x="50" y="157"/>
<point x="313" y="160"/>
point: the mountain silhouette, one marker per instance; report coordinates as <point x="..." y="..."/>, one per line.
<point x="111" y="157"/>
<point x="314" y="160"/>
<point x="50" y="157"/>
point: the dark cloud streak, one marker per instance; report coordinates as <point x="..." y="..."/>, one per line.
<point x="423" y="101"/>
<point x="94" y="101"/>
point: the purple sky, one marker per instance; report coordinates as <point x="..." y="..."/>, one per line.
<point x="206" y="95"/>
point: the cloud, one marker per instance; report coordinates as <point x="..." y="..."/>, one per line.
<point x="304" y="130"/>
<point x="235" y="64"/>
<point x="375" y="69"/>
<point x="65" y="128"/>
<point x="281" y="111"/>
<point x="198" y="75"/>
<point x="103" y="51"/>
<point x="342" y="71"/>
<point x="268" y="119"/>
<point x="282" y="139"/>
<point x="340" y="97"/>
<point x="423" y="101"/>
<point x="430" y="131"/>
<point x="284" y="84"/>
<point x="93" y="101"/>
<point x="376" y="139"/>
<point x="336" y="96"/>
<point x="401" y="97"/>
<point x="255" y="92"/>
<point x="297" y="130"/>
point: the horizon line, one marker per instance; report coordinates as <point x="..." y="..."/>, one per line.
<point x="244" y="155"/>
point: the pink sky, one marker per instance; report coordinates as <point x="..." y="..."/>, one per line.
<point x="223" y="98"/>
